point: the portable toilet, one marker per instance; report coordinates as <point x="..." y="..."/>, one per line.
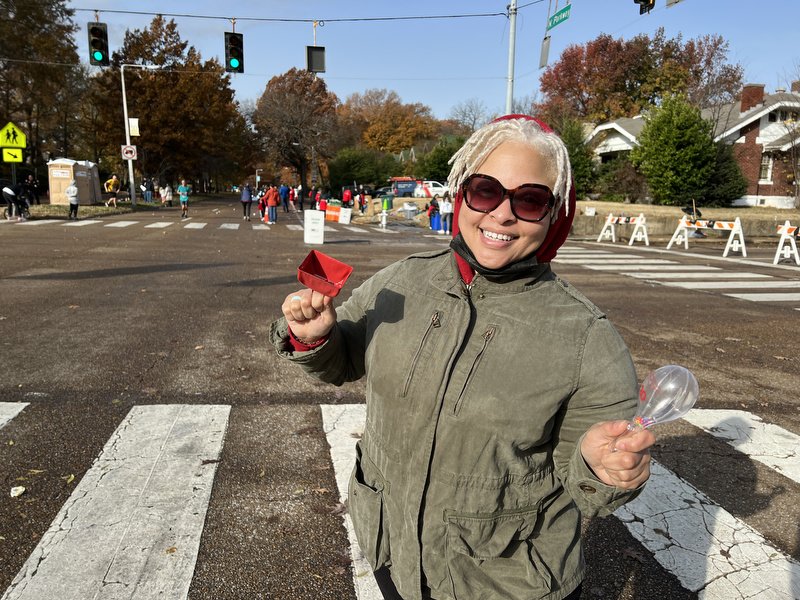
<point x="61" y="171"/>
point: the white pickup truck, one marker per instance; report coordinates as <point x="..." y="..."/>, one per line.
<point x="430" y="189"/>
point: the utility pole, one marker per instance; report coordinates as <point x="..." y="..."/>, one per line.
<point x="512" y="39"/>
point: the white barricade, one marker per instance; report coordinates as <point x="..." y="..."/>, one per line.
<point x="787" y="247"/>
<point x="639" y="231"/>
<point x="735" y="239"/>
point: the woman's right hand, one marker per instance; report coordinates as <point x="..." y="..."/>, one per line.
<point x="310" y="314"/>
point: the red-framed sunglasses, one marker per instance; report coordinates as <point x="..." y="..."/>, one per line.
<point x="529" y="202"/>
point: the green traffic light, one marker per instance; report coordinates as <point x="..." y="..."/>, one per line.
<point x="98" y="56"/>
<point x="234" y="63"/>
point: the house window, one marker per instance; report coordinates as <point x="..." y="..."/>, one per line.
<point x="773" y="117"/>
<point x="765" y="174"/>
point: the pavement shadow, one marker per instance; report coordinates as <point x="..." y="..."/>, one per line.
<point x="120" y="272"/>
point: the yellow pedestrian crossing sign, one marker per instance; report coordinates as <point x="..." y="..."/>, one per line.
<point x="12" y="155"/>
<point x="11" y="136"/>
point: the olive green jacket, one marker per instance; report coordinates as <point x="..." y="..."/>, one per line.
<point x="469" y="482"/>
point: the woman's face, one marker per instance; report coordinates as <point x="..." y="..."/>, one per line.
<point x="498" y="238"/>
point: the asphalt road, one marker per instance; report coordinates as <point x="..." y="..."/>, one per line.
<point x="97" y="320"/>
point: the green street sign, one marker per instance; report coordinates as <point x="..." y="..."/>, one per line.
<point x="559" y="17"/>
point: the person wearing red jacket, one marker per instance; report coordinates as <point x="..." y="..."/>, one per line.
<point x="273" y="199"/>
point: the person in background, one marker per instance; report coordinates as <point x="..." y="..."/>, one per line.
<point x="347" y="198"/>
<point x="13" y="194"/>
<point x="247" y="201"/>
<point x="283" y="192"/>
<point x="168" y="192"/>
<point x="446" y="211"/>
<point x="149" y="188"/>
<point x="497" y="394"/>
<point x="72" y="195"/>
<point x="183" y="195"/>
<point x="273" y="199"/>
<point x="31" y="189"/>
<point x="112" y="187"/>
<point x="292" y="199"/>
<point x="299" y="196"/>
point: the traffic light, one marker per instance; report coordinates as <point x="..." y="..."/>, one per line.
<point x="234" y="52"/>
<point x="98" y="44"/>
<point x="315" y="59"/>
<point x="645" y="6"/>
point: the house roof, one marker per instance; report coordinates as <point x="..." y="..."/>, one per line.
<point x="726" y="118"/>
<point x="629" y="127"/>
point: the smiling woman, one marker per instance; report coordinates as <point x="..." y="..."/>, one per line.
<point x="494" y="393"/>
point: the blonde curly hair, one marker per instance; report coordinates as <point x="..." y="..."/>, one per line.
<point x="524" y="130"/>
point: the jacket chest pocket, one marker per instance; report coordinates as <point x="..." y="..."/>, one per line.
<point x="474" y="366"/>
<point x="433" y="323"/>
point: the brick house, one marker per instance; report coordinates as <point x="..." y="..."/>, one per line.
<point x="764" y="130"/>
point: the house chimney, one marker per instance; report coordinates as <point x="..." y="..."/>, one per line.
<point x="752" y="95"/>
<point x="796" y="87"/>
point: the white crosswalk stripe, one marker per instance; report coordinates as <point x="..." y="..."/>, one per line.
<point x="232" y="226"/>
<point x="764" y="297"/>
<point x="9" y="410"/>
<point x="81" y="223"/>
<point x="159" y="225"/>
<point x="132" y="526"/>
<point x="705" y="546"/>
<point x="753" y="287"/>
<point x="36" y="222"/>
<point x="121" y="224"/>
<point x="195" y="225"/>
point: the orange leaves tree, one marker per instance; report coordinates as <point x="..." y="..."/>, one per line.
<point x="295" y="119"/>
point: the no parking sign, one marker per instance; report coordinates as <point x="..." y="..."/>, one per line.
<point x="129" y="152"/>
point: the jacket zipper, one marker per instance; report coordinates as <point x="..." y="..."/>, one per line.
<point x="487" y="337"/>
<point x="434" y="322"/>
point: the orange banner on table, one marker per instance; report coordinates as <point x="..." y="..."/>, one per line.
<point x="332" y="213"/>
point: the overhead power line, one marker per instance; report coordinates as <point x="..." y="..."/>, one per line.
<point x="288" y="20"/>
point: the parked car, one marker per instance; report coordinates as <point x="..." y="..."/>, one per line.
<point x="430" y="189"/>
<point x="383" y="191"/>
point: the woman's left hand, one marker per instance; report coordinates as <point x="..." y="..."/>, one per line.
<point x="623" y="462"/>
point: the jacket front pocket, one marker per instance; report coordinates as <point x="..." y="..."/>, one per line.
<point x="487" y="336"/>
<point x="366" y="508"/>
<point x="493" y="556"/>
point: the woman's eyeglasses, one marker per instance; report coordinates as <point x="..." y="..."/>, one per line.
<point x="529" y="202"/>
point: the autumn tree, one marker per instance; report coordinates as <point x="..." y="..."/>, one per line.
<point x="675" y="152"/>
<point x="609" y="78"/>
<point x="38" y="60"/>
<point x="385" y="123"/>
<point x="295" y="119"/>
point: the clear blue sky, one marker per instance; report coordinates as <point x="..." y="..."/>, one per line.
<point x="441" y="62"/>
